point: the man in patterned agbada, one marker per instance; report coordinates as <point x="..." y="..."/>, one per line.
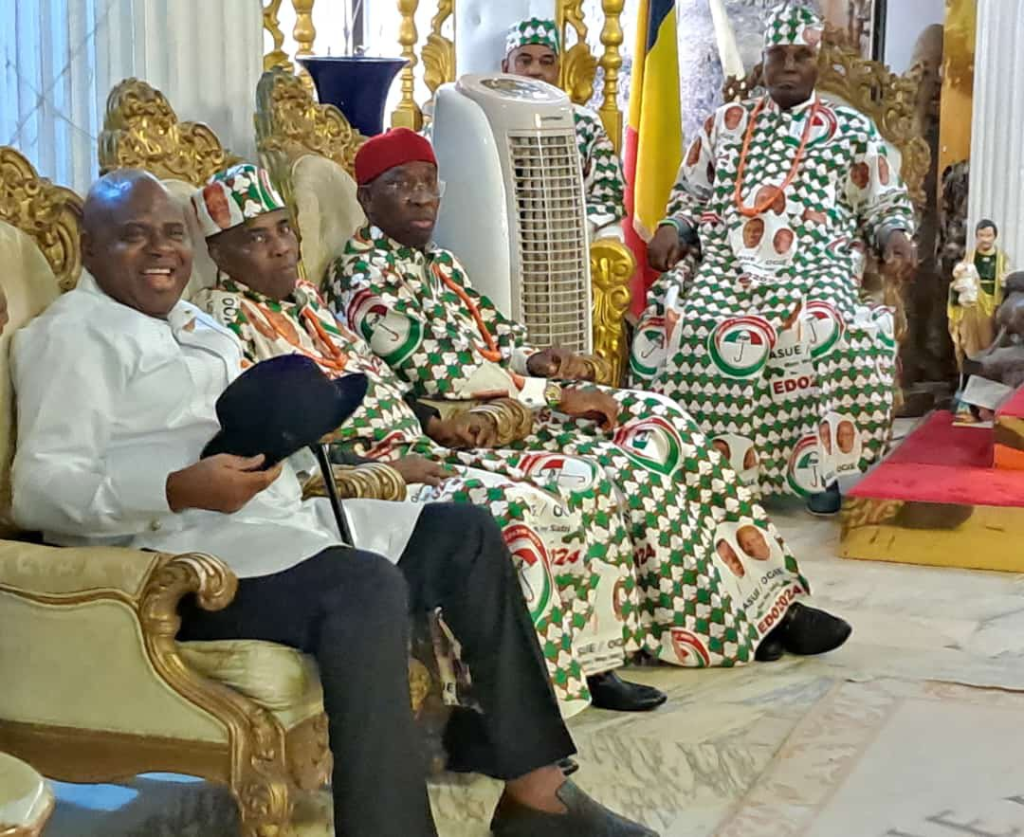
<point x="533" y="49"/>
<point x="768" y="344"/>
<point x="557" y="533"/>
<point x="414" y="304"/>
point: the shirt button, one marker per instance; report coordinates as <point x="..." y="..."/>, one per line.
<point x="155" y="525"/>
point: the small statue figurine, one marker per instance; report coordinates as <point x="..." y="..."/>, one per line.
<point x="976" y="293"/>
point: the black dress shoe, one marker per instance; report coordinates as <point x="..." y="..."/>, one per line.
<point x="568" y="766"/>
<point x="771" y="648"/>
<point x="609" y="691"/>
<point x="807" y="631"/>
<point x="826" y="503"/>
<point x="583" y="818"/>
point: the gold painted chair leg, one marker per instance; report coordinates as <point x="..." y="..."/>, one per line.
<point x="264" y="806"/>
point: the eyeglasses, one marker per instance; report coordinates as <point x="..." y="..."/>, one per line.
<point x="405" y="189"/>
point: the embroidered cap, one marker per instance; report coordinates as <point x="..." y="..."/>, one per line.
<point x="390" y="150"/>
<point x="793" y="25"/>
<point x="232" y="197"/>
<point x="534" y="30"/>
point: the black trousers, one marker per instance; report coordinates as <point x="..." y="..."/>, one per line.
<point x="350" y="610"/>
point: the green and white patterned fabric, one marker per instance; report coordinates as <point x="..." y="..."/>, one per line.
<point x="233" y="197"/>
<point x="603" y="180"/>
<point x="565" y="538"/>
<point x="703" y="562"/>
<point x="768" y="344"/>
<point x="534" y="30"/>
<point x="793" y="25"/>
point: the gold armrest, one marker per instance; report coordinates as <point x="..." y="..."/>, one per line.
<point x="63" y="572"/>
<point x="511" y="419"/>
<point x="612" y="265"/>
<point x="599" y="368"/>
<point x="371" y="481"/>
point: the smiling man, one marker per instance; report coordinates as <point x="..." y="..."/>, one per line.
<point x="533" y="50"/>
<point x="117" y="387"/>
<point x="414" y="304"/>
<point x="769" y="339"/>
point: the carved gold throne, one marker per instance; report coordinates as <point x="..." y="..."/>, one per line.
<point x="845" y="77"/>
<point x="94" y="685"/>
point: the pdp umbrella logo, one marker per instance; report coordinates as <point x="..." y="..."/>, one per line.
<point x="649" y="349"/>
<point x="825" y="327"/>
<point x="805" y="467"/>
<point x="568" y="472"/>
<point x="741" y="346"/>
<point x="652" y="443"/>
<point x="882" y="317"/>
<point x="531" y="561"/>
<point x="391" y="335"/>
<point x="689" y="650"/>
<point x="824" y="126"/>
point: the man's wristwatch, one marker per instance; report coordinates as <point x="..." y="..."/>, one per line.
<point x="553" y="394"/>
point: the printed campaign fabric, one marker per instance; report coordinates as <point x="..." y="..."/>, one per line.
<point x="565" y="538"/>
<point x="603" y="181"/>
<point x="707" y="568"/>
<point x="767" y="344"/>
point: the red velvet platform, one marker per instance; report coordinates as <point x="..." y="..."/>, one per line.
<point x="939" y="499"/>
<point x="1008" y="436"/>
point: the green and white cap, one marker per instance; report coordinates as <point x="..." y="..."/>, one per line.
<point x="534" y="30"/>
<point x="232" y="197"/>
<point x="793" y="25"/>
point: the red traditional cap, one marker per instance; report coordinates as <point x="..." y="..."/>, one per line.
<point x="389" y="150"/>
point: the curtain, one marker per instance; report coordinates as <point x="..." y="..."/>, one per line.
<point x="62" y="57"/>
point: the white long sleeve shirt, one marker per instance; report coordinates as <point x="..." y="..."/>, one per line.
<point x="110" y="401"/>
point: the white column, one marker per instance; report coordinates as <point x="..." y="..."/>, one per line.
<point x="997" y="140"/>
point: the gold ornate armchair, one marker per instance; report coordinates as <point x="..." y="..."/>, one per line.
<point x="845" y="77"/>
<point x="95" y="687"/>
<point x="309" y="150"/>
<point x="185" y="165"/>
<point x="26" y="800"/>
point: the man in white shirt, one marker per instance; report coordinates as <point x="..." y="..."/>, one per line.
<point x="117" y="384"/>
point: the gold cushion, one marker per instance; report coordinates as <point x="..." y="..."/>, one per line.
<point x="328" y="211"/>
<point x="29" y="286"/>
<point x="277" y="677"/>
<point x="26" y="801"/>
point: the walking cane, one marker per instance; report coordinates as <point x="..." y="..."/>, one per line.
<point x="320" y="451"/>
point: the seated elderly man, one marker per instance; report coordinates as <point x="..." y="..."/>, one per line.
<point x="768" y="345"/>
<point x="555" y="542"/>
<point x="533" y="50"/>
<point x="683" y="506"/>
<point x="116" y="388"/>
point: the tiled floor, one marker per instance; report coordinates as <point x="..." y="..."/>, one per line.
<point x="687" y="768"/>
<point x="722" y="755"/>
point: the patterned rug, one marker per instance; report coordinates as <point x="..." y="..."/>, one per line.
<point x="895" y="759"/>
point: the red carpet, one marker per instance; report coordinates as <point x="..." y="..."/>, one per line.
<point x="939" y="463"/>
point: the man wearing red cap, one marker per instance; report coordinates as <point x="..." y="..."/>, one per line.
<point x="553" y="531"/>
<point x="414" y="304"/>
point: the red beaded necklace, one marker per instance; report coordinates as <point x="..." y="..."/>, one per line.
<point x="775" y="191"/>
